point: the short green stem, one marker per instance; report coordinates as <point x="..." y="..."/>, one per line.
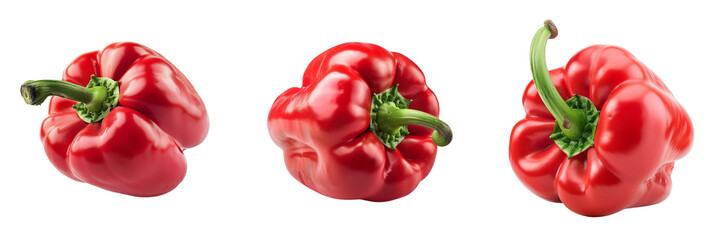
<point x="390" y="118"/>
<point x="94" y="101"/>
<point x="35" y="92"/>
<point x="571" y="121"/>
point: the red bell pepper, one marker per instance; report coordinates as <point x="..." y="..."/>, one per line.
<point x="601" y="162"/>
<point x="126" y="131"/>
<point x="345" y="132"/>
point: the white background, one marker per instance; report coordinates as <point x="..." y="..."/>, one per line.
<point x="241" y="55"/>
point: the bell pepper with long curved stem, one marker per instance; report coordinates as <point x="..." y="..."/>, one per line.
<point x="601" y="134"/>
<point x="363" y="125"/>
<point x="120" y="119"/>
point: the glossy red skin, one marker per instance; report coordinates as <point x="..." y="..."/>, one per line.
<point x="322" y="126"/>
<point x="138" y="148"/>
<point x="641" y="131"/>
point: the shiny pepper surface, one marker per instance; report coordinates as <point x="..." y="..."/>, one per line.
<point x="641" y="131"/>
<point x="135" y="144"/>
<point x="341" y="134"/>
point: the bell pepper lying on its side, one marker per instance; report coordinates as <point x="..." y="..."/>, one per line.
<point x="345" y="132"/>
<point x="126" y="131"/>
<point x="598" y="163"/>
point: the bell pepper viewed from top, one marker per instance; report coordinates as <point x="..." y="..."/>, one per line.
<point x="120" y="120"/>
<point x="599" y="135"/>
<point x="361" y="126"/>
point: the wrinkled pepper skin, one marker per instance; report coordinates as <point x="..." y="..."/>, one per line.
<point x="138" y="148"/>
<point x="322" y="127"/>
<point x="641" y="131"/>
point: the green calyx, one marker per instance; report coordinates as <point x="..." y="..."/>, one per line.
<point x="573" y="147"/>
<point x="97" y="110"/>
<point x="383" y="104"/>
<point x="94" y="101"/>
<point x="390" y="117"/>
<point x="576" y="118"/>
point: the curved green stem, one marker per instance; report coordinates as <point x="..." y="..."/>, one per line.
<point x="94" y="101"/>
<point x="571" y="121"/>
<point x="390" y="118"/>
<point x="35" y="92"/>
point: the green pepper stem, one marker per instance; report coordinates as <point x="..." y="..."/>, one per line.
<point x="571" y="121"/>
<point x="390" y="118"/>
<point x="36" y="91"/>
